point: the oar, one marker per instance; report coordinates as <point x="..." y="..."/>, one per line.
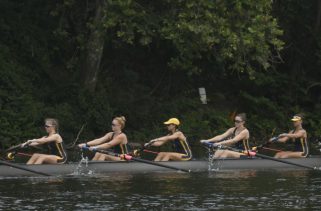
<point x="138" y="151"/>
<point x="129" y="157"/>
<point x="14" y="148"/>
<point x="77" y="137"/>
<point x="251" y="153"/>
<point x="149" y="151"/>
<point x="271" y="149"/>
<point x="11" y="155"/>
<point x="23" y="168"/>
<point x="263" y="146"/>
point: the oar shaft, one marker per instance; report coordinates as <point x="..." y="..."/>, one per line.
<point x="271" y="149"/>
<point x="14" y="148"/>
<point x="23" y="168"/>
<point x="129" y="157"/>
<point x="284" y="161"/>
<point x="251" y="153"/>
<point x="156" y="164"/>
<point x="149" y="151"/>
<point x="23" y="154"/>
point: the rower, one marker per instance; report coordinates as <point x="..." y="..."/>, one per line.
<point x="57" y="153"/>
<point x="115" y="140"/>
<point x="181" y="148"/>
<point x="237" y="137"/>
<point x="298" y="137"/>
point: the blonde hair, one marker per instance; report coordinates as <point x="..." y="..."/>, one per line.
<point x="54" y="123"/>
<point x="121" y="120"/>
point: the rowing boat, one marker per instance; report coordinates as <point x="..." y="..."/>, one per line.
<point x="105" y="167"/>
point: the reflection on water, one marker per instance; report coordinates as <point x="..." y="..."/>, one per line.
<point x="251" y="190"/>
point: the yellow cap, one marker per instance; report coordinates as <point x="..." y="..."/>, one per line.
<point x="296" y="118"/>
<point x="174" y="121"/>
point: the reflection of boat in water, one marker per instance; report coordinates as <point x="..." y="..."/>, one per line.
<point x="103" y="167"/>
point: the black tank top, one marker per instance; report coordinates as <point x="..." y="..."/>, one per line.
<point x="120" y="148"/>
<point x="57" y="149"/>
<point x="301" y="145"/>
<point x="182" y="146"/>
<point x="242" y="144"/>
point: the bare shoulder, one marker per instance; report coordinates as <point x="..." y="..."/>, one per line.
<point x="246" y="131"/>
<point x="123" y="138"/>
<point x="231" y="130"/>
<point x="108" y="135"/>
<point x="57" y="137"/>
<point x="303" y="131"/>
<point x="122" y="135"/>
<point x="179" y="134"/>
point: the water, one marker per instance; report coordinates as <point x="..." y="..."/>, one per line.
<point x="230" y="190"/>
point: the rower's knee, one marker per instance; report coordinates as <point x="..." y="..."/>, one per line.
<point x="97" y="155"/>
<point x="278" y="155"/>
<point x="39" y="160"/>
<point x="35" y="155"/>
<point x="166" y="158"/>
<point x="160" y="156"/>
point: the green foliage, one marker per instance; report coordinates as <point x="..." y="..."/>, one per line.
<point x="18" y="109"/>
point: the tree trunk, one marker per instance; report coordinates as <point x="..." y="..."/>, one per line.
<point x="94" y="48"/>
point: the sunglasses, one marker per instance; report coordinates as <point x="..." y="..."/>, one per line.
<point x="46" y="126"/>
<point x="238" y="121"/>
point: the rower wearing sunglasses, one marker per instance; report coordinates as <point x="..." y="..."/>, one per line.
<point x="115" y="140"/>
<point x="57" y="153"/>
<point x="236" y="137"/>
<point x="181" y="148"/>
<point x="297" y="136"/>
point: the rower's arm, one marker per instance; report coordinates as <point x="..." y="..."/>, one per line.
<point x="162" y="140"/>
<point x="282" y="139"/>
<point x="116" y="141"/>
<point x="99" y="141"/>
<point x="43" y="140"/>
<point x="241" y="136"/>
<point x="222" y="136"/>
<point x="287" y="136"/>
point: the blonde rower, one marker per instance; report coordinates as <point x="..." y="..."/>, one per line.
<point x="54" y="142"/>
<point x="116" y="140"/>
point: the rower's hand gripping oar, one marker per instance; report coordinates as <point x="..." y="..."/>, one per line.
<point x="16" y="147"/>
<point x="13" y="150"/>
<point x="252" y="153"/>
<point x="266" y="144"/>
<point x="129" y="157"/>
<point x="143" y="148"/>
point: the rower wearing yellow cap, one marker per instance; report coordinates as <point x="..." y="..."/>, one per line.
<point x="180" y="145"/>
<point x="298" y="136"/>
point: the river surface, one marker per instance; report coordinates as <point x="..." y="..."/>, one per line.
<point x="229" y="190"/>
